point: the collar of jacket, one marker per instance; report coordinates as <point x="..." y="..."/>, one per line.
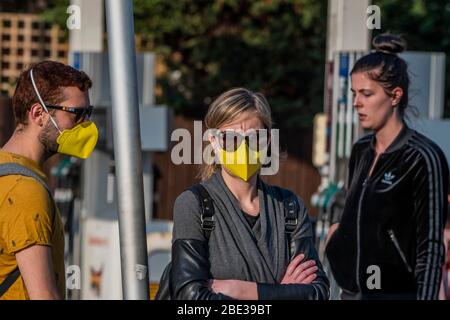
<point x="399" y="141"/>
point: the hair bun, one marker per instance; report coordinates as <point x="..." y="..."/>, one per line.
<point x="389" y="43"/>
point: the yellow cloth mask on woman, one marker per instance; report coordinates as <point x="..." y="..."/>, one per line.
<point x="79" y="141"/>
<point x="243" y="163"/>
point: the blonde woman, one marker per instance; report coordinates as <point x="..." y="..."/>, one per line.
<point x="250" y="253"/>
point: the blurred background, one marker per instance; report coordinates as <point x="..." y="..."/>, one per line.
<point x="296" y="52"/>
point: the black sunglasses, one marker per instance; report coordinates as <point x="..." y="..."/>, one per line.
<point x="80" y="113"/>
<point x="230" y="140"/>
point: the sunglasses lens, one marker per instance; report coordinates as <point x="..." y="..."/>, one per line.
<point x="257" y="139"/>
<point x="81" y="114"/>
<point x="89" y="111"/>
<point x="230" y="141"/>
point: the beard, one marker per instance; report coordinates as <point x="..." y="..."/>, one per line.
<point x="48" y="137"/>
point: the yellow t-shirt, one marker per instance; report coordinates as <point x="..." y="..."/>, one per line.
<point x="27" y="218"/>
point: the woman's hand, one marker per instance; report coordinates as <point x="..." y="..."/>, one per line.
<point x="300" y="273"/>
<point x="237" y="289"/>
<point x="296" y="273"/>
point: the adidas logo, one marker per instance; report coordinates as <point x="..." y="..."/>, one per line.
<point x="388" y="178"/>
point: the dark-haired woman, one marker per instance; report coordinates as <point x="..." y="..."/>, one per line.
<point x="388" y="243"/>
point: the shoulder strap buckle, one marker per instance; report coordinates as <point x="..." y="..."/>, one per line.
<point x="207" y="206"/>
<point x="290" y="213"/>
<point x="207" y="223"/>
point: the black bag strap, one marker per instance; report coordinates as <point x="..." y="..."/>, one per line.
<point x="7" y="169"/>
<point x="207" y="206"/>
<point x="9" y="281"/>
<point x="291" y="208"/>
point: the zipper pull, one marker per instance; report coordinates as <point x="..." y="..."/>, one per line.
<point x="391" y="234"/>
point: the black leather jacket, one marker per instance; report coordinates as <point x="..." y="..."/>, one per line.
<point x="392" y="223"/>
<point x="190" y="270"/>
<point x="190" y="275"/>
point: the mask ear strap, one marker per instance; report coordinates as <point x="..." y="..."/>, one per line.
<point x="41" y="101"/>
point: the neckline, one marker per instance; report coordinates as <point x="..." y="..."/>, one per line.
<point x="399" y="141"/>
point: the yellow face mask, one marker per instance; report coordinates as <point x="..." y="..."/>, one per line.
<point x="79" y="141"/>
<point x="243" y="163"/>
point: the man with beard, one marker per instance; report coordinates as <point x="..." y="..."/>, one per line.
<point x="51" y="108"/>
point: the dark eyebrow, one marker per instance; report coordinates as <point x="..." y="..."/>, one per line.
<point x="362" y="90"/>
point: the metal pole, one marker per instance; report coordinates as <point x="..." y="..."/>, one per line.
<point x="127" y="149"/>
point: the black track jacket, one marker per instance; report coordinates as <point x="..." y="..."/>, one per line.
<point x="393" y="221"/>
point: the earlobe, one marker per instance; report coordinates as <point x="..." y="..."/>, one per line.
<point x="396" y="102"/>
<point x="395" y="99"/>
<point x="36" y="114"/>
<point x="397" y="94"/>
